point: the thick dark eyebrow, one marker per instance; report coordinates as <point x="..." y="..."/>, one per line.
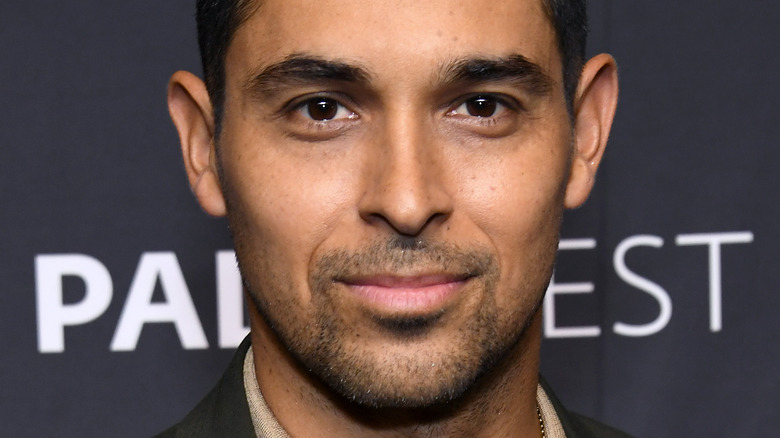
<point x="515" y="68"/>
<point x="301" y="69"/>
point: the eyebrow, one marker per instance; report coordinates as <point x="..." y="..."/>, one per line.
<point x="301" y="69"/>
<point x="514" y="68"/>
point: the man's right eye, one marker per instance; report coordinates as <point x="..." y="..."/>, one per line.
<point x="323" y="109"/>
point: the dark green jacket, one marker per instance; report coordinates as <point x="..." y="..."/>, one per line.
<point x="224" y="413"/>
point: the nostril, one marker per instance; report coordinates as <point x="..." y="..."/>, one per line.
<point x="408" y="230"/>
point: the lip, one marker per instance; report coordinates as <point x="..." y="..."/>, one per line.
<point x="406" y="295"/>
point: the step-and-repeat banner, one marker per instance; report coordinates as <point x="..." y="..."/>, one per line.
<point x="120" y="299"/>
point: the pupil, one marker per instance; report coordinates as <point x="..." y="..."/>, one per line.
<point x="481" y="107"/>
<point x="322" y="109"/>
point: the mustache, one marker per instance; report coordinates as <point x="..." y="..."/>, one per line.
<point x="402" y="255"/>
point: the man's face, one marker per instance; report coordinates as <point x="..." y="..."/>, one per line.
<point x="395" y="174"/>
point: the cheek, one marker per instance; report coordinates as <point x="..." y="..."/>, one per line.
<point x="524" y="230"/>
<point x="518" y="206"/>
<point x="516" y="185"/>
<point x="518" y="200"/>
<point x="281" y="207"/>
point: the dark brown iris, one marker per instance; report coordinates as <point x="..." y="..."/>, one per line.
<point x="481" y="106"/>
<point x="322" y="109"/>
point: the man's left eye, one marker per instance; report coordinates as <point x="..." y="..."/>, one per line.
<point x="479" y="106"/>
<point x="322" y="109"/>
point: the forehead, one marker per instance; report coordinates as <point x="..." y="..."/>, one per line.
<point x="388" y="35"/>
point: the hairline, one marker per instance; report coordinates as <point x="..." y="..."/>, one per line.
<point x="246" y="8"/>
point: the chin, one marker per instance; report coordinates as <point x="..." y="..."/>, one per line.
<point x="416" y="370"/>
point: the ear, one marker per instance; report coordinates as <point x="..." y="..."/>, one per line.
<point x="191" y="111"/>
<point x="594" y="109"/>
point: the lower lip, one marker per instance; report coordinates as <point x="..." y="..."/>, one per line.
<point x="405" y="299"/>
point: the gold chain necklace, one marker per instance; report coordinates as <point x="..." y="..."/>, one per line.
<point x="541" y="421"/>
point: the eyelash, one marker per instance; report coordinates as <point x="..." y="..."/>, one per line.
<point x="298" y="111"/>
<point x="301" y="107"/>
<point x="502" y="104"/>
<point x="301" y="125"/>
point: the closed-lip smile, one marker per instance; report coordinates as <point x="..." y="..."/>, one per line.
<point x="395" y="294"/>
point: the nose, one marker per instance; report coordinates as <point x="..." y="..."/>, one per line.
<point x="406" y="178"/>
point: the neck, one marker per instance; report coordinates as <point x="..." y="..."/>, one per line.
<point x="501" y="403"/>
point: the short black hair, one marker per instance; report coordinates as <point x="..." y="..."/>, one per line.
<point x="218" y="21"/>
<point x="570" y="20"/>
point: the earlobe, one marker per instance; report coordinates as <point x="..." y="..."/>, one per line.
<point x="594" y="109"/>
<point x="191" y="111"/>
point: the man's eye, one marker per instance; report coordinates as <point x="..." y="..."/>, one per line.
<point x="324" y="108"/>
<point x="479" y="106"/>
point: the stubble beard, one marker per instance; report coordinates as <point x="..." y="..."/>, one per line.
<point x="420" y="374"/>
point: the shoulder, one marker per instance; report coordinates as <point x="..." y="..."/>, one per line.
<point x="588" y="427"/>
<point x="576" y="425"/>
<point x="224" y="411"/>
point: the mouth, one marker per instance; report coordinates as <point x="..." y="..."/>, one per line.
<point x="412" y="295"/>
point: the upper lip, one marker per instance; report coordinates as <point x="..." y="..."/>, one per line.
<point x="397" y="281"/>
